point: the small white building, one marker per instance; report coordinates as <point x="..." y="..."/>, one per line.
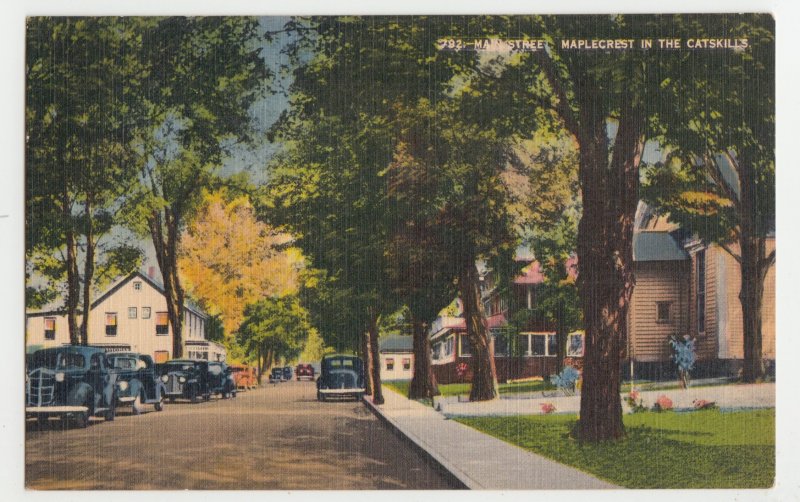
<point x="397" y="357"/>
<point x="132" y="313"/>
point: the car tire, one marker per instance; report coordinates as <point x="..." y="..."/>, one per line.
<point x="111" y="412"/>
<point x="159" y="406"/>
<point x="136" y="406"/>
<point x="81" y="420"/>
<point x="193" y="397"/>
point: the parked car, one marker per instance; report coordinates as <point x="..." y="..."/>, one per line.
<point x="137" y="381"/>
<point x="220" y="380"/>
<point x="287" y="373"/>
<point x="304" y="371"/>
<point x="341" y="376"/>
<point x="244" y="376"/>
<point x="72" y="382"/>
<point x="194" y="379"/>
<point x="276" y="375"/>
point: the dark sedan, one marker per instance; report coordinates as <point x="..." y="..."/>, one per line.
<point x="341" y="376"/>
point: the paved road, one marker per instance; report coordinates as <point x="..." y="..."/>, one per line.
<point x="274" y="438"/>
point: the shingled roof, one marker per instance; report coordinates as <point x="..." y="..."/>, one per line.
<point x="657" y="246"/>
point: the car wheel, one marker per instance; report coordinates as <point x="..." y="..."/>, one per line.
<point x="111" y="412"/>
<point x="81" y="420"/>
<point x="193" y="395"/>
<point x="159" y="406"/>
<point x="136" y="406"/>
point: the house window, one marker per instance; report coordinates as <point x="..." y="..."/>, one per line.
<point x="132" y="313"/>
<point x="390" y="364"/>
<point x="406" y="363"/>
<point x="575" y="345"/>
<point x="701" y="291"/>
<point x="538" y="344"/>
<point x="500" y="344"/>
<point x="449" y="346"/>
<point x="49" y="328"/>
<point x="437" y="351"/>
<point x="662" y="309"/>
<point x="145" y="312"/>
<point x="137" y="285"/>
<point x="162" y="323"/>
<point x="466" y="349"/>
<point x="111" y="324"/>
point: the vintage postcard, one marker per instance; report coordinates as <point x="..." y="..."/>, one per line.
<point x="495" y="252"/>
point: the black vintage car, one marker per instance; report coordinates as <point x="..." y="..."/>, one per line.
<point x="72" y="382"/>
<point x="341" y="376"/>
<point x="194" y="379"/>
<point x="287" y="373"/>
<point x="276" y="375"/>
<point x="137" y="381"/>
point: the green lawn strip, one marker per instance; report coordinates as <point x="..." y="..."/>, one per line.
<point x="462" y="389"/>
<point x="700" y="449"/>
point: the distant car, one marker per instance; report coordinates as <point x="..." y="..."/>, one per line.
<point x="287" y="373"/>
<point x="220" y="380"/>
<point x="137" y="381"/>
<point x="304" y="371"/>
<point x="194" y="379"/>
<point x="276" y="375"/>
<point x="341" y="376"/>
<point x="71" y="382"/>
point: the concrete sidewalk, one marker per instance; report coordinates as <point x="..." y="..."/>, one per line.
<point x="479" y="461"/>
<point x="760" y="395"/>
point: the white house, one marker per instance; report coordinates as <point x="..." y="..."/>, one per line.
<point x="397" y="357"/>
<point x="131" y="315"/>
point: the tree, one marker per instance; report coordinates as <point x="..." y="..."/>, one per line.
<point x="203" y="74"/>
<point x="229" y="259"/>
<point x="274" y="328"/>
<point x="718" y="179"/>
<point x="79" y="122"/>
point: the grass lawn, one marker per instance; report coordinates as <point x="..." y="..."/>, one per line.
<point x="462" y="389"/>
<point x="700" y="449"/>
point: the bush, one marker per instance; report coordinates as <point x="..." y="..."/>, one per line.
<point x="567" y="379"/>
<point x="635" y="402"/>
<point x="548" y="408"/>
<point x="684" y="356"/>
<point x="702" y="404"/>
<point x="663" y="403"/>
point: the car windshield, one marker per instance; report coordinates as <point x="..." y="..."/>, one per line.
<point x="58" y="360"/>
<point x="125" y="363"/>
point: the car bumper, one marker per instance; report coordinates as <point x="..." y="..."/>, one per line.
<point x="342" y="392"/>
<point x="55" y="409"/>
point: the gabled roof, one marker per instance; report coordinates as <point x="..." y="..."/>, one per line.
<point x="188" y="305"/>
<point x="396" y="343"/>
<point x="656" y="246"/>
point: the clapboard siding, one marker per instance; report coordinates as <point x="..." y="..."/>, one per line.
<point x="657" y="282"/>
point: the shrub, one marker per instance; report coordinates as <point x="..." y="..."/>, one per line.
<point x="635" y="402"/>
<point x="702" y="404"/>
<point x="566" y="380"/>
<point x="461" y="369"/>
<point x="548" y="408"/>
<point x="663" y="403"/>
<point x="684" y="356"/>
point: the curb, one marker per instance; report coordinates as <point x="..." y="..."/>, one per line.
<point x="454" y="475"/>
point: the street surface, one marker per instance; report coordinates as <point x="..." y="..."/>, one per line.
<point x="277" y="437"/>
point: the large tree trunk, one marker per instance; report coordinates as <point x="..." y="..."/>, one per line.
<point x="88" y="274"/>
<point x="166" y="246"/>
<point x="366" y="356"/>
<point x="605" y="260"/>
<point x="73" y="280"/>
<point x="484" y="375"/>
<point x="423" y="383"/>
<point x="375" y="366"/>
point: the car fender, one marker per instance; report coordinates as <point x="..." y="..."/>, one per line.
<point x="79" y="394"/>
<point x="161" y="390"/>
<point x="134" y="388"/>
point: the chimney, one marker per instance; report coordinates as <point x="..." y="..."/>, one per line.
<point x="151" y="272"/>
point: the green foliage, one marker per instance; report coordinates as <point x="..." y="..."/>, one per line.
<point x="702" y="449"/>
<point x="462" y="389"/>
<point x="279" y="325"/>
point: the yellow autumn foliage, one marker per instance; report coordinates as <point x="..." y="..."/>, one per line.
<point x="230" y="259"/>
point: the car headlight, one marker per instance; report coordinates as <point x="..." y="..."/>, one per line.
<point x="59" y="377"/>
<point x="164" y="378"/>
<point x="123" y="385"/>
<point x="182" y="379"/>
